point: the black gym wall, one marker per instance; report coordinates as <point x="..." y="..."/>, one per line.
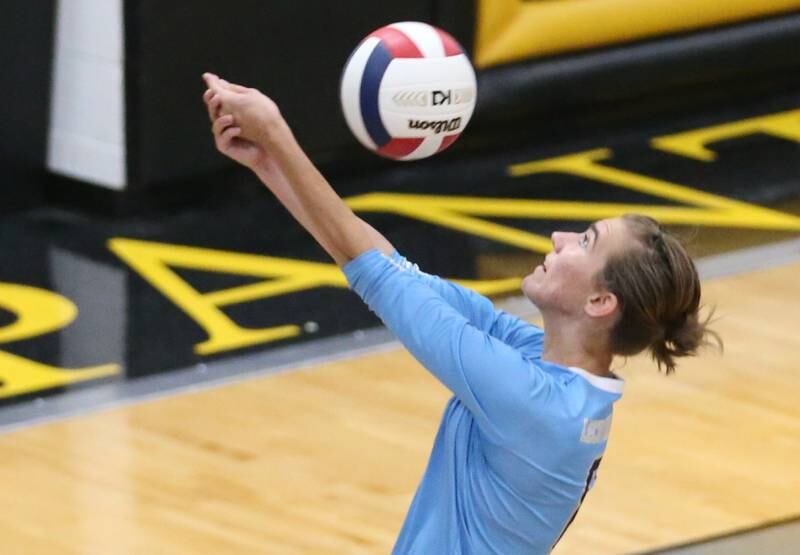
<point x="26" y="54"/>
<point x="294" y="51"/>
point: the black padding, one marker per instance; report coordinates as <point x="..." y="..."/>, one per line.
<point x="26" y="52"/>
<point x="459" y="18"/>
<point x="295" y="51"/>
<point x="638" y="79"/>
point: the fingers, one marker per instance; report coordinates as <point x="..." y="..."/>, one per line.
<point x="225" y="132"/>
<point x="227" y="137"/>
<point x="221" y="124"/>
<point x="220" y="94"/>
<point x="216" y="83"/>
<point x="213" y="104"/>
<point x="211" y="80"/>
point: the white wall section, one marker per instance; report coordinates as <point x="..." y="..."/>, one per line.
<point x="87" y="117"/>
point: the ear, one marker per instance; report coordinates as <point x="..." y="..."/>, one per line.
<point x="601" y="304"/>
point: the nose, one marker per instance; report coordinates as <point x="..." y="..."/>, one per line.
<point x="563" y="238"/>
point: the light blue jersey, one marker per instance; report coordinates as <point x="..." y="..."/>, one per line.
<point x="520" y="441"/>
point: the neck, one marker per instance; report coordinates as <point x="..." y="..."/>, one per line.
<point x="570" y="343"/>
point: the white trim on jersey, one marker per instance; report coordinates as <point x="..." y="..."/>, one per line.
<point x="612" y="385"/>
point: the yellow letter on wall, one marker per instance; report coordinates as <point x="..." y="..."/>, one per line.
<point x="699" y="207"/>
<point x="153" y="261"/>
<point x="693" y="144"/>
<point x="37" y="312"/>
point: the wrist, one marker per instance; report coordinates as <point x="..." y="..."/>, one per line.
<point x="273" y="132"/>
<point x="276" y="139"/>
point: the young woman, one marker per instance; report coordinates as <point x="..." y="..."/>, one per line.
<point x="522" y="437"/>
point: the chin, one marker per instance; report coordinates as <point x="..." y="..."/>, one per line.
<point x="530" y="289"/>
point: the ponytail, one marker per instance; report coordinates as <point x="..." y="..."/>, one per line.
<point x="658" y="288"/>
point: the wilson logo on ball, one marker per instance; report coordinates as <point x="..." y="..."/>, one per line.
<point x="408" y="90"/>
<point x="447" y="126"/>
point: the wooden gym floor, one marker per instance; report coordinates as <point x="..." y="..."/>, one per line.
<point x="326" y="459"/>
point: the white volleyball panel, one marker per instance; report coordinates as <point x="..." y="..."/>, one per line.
<point x="413" y="73"/>
<point x="421" y="98"/>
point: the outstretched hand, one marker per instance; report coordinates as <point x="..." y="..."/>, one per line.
<point x="242" y="120"/>
<point x="249" y="128"/>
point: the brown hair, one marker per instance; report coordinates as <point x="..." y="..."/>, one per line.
<point x="657" y="286"/>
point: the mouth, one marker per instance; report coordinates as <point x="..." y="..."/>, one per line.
<point x="544" y="263"/>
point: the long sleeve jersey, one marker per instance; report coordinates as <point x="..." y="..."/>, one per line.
<point x="521" y="439"/>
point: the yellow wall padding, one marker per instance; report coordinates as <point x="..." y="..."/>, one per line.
<point x="513" y="30"/>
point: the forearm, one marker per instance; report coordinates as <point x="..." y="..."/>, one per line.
<point x="305" y="192"/>
<point x="249" y="128"/>
<point x="378" y="240"/>
<point x="280" y="187"/>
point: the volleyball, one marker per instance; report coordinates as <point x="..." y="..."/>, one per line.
<point x="408" y="91"/>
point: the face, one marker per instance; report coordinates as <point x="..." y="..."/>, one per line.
<point x="566" y="281"/>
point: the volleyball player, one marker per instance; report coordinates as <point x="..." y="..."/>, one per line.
<point x="522" y="437"/>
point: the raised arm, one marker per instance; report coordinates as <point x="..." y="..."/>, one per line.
<point x="248" y="127"/>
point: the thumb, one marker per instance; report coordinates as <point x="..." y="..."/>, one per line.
<point x="216" y="85"/>
<point x="211" y="80"/>
<point x="233" y="87"/>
